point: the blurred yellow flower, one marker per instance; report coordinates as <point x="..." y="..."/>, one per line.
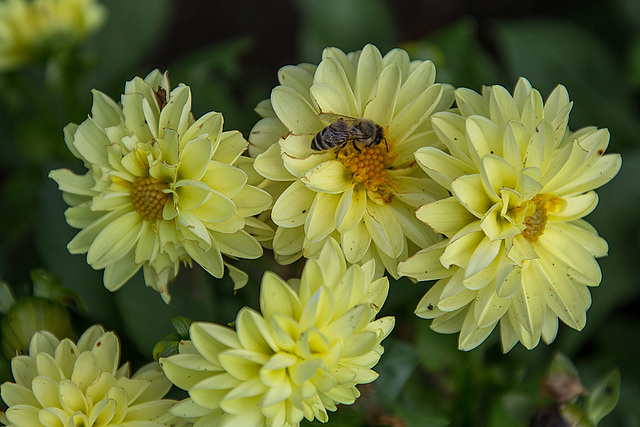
<point x="362" y="192"/>
<point x="315" y="340"/>
<point x="30" y="30"/>
<point x="517" y="251"/>
<point x="60" y="383"/>
<point x="161" y="187"/>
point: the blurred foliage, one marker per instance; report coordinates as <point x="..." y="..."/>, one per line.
<point x="424" y="379"/>
<point x="348" y="25"/>
<point x="45" y="306"/>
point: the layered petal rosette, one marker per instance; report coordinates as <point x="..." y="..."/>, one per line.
<point x="363" y="196"/>
<point x="517" y="251"/>
<point x="61" y="383"/>
<point x="315" y="340"/>
<point x="161" y="188"/>
<point x="33" y="29"/>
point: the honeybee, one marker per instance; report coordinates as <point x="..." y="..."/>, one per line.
<point x="361" y="132"/>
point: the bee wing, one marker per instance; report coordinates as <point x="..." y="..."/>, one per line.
<point x="337" y="134"/>
<point x="333" y="117"/>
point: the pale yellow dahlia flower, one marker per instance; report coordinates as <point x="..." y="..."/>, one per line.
<point x="62" y="384"/>
<point x="32" y="29"/>
<point x="161" y="187"/>
<point x="315" y="340"/>
<point x="364" y="197"/>
<point x="517" y="251"/>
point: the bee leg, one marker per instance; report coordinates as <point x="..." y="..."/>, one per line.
<point x="356" y="147"/>
<point x="386" y="145"/>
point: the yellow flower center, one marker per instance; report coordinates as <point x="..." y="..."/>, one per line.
<point x="369" y="166"/>
<point x="148" y="198"/>
<point x="537" y="221"/>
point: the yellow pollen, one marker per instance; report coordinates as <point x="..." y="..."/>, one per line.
<point x="369" y="167"/>
<point x="537" y="221"/>
<point x="148" y="198"/>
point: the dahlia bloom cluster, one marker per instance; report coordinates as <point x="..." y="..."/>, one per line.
<point x="364" y="151"/>
<point x="161" y="188"/>
<point x="315" y="339"/>
<point x="364" y="197"/>
<point x="517" y="251"/>
<point x="61" y="383"/>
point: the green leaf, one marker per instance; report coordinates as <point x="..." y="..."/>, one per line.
<point x="181" y="324"/>
<point x="166" y="347"/>
<point x="604" y="397"/>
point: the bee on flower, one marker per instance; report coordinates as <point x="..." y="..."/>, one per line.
<point x="517" y="252"/>
<point x="336" y="145"/>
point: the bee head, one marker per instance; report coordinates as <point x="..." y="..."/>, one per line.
<point x="379" y="134"/>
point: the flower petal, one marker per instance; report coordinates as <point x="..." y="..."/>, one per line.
<point x="270" y="165"/>
<point x="445" y="216"/>
<point x="224" y="178"/>
<point x="470" y="191"/>
<point x="216" y="207"/>
<point x="381" y="103"/>
<point x="488" y="307"/>
<point x="294" y="111"/>
<point x="561" y="295"/>
<point x="385" y="229"/>
<point x="367" y="73"/>
<point x="351" y="208"/>
<point x="471" y="335"/>
<point x="425" y="264"/>
<point x="292" y="207"/>
<point x="355" y="242"/>
<point x="251" y="201"/>
<point x="329" y="177"/>
<point x="440" y="166"/>
<point x="331" y="100"/>
<point x="119" y="272"/>
<point x="209" y="125"/>
<point x="276" y="296"/>
<point x="115" y="240"/>
<point x="239" y="244"/>
<point x="529" y="305"/>
<point x="332" y="72"/>
<point x="194" y="158"/>
<point x="320" y="222"/>
<point x="210" y="260"/>
<point x="483" y="137"/>
<point x="231" y="146"/>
